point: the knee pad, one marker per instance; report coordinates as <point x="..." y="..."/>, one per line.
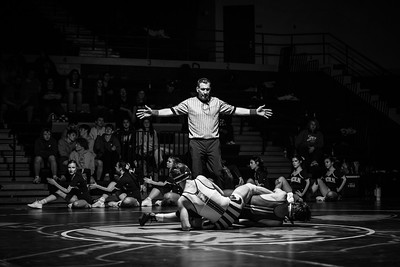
<point x="331" y="196"/>
<point x="129" y="202"/>
<point x="170" y="199"/>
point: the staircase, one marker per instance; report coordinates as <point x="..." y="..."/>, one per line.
<point x="251" y="144"/>
<point x="373" y="99"/>
<point x="88" y="43"/>
<point x="18" y="189"/>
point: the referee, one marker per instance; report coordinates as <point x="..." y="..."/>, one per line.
<point x="203" y="120"/>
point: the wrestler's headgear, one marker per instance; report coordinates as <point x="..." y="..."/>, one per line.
<point x="180" y="172"/>
<point x="299" y="211"/>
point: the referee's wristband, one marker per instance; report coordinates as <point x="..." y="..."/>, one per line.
<point x="253" y="111"/>
<point x="154" y="112"/>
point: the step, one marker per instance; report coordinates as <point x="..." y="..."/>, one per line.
<point x="19" y="166"/>
<point x="9" y="147"/>
<point x="275" y="170"/>
<point x="23" y="186"/>
<point x="23" y="193"/>
<point x="6" y="140"/>
<point x="25" y="179"/>
<point x="10" y="153"/>
<point x="255" y="148"/>
<point x="5" y="134"/>
<point x="18" y="159"/>
<point x="280" y="164"/>
<point x="17" y="173"/>
<point x="248" y="138"/>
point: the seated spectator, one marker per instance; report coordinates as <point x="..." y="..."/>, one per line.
<point x="140" y="102"/>
<point x="170" y="97"/>
<point x="72" y="125"/>
<point x="98" y="104"/>
<point x="110" y="92"/>
<point x="148" y="148"/>
<point x="108" y="150"/>
<point x="298" y="181"/>
<point x="73" y="86"/>
<point x="127" y="139"/>
<point x="309" y="144"/>
<point x="329" y="187"/>
<point x="65" y="146"/>
<point x="123" y="107"/>
<point x="45" y="152"/>
<point x="83" y="130"/>
<point x="50" y="101"/>
<point x="98" y="129"/>
<point x="84" y="158"/>
<point x="76" y="193"/>
<point x="19" y="98"/>
<point x="259" y="173"/>
<point x="126" y="188"/>
<point x="30" y="89"/>
<point x="45" y="68"/>
<point x="226" y="130"/>
<point x="168" y="188"/>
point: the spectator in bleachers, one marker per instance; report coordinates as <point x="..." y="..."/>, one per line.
<point x="123" y="107"/>
<point x="98" y="129"/>
<point x="83" y="131"/>
<point x="309" y="143"/>
<point x="110" y="92"/>
<point x="45" y="153"/>
<point x="65" y="146"/>
<point x="148" y="148"/>
<point x="329" y="187"/>
<point x="50" y="101"/>
<point x="298" y="181"/>
<point x="170" y="97"/>
<point x="76" y="193"/>
<point x="127" y="138"/>
<point x="29" y="92"/>
<point x="226" y="130"/>
<point x="260" y="173"/>
<point x="10" y="103"/>
<point x="108" y="150"/>
<point x="99" y="102"/>
<point x="45" y="68"/>
<point x="72" y="125"/>
<point x="140" y="102"/>
<point x="73" y="86"/>
<point x="84" y="158"/>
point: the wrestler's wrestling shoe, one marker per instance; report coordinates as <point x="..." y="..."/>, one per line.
<point x="145" y="217"/>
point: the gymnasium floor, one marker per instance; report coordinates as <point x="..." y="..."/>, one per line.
<point x="346" y="233"/>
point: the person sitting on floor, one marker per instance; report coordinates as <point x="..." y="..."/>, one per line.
<point x="168" y="189"/>
<point x="127" y="188"/>
<point x="331" y="184"/>
<point x="76" y="194"/>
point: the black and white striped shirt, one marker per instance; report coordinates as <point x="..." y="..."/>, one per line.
<point x="203" y="118"/>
